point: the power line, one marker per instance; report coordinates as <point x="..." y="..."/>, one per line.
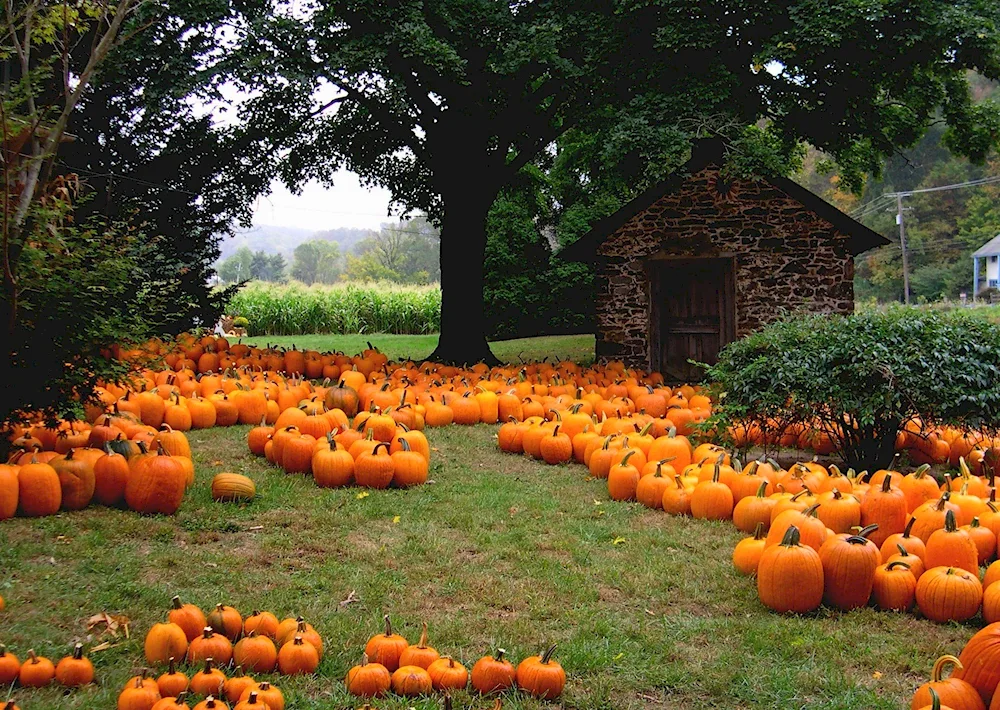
<point x="970" y="183"/>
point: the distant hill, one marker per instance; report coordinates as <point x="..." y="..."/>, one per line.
<point x="274" y="239"/>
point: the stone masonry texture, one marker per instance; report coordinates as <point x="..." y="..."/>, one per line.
<point x="787" y="259"/>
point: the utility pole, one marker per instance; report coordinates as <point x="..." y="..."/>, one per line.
<point x="902" y="244"/>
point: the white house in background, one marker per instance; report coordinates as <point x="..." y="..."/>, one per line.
<point x="990" y="254"/>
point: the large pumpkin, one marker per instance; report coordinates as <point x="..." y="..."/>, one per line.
<point x="981" y="662"/>
<point x="156" y="486"/>
<point x="39" y="492"/>
<point x="76" y="477"/>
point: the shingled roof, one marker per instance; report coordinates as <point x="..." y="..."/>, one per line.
<point x="706" y="153"/>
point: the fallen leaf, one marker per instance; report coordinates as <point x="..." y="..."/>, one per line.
<point x="598" y="502"/>
<point x="877" y="674"/>
<point x="350" y="599"/>
<point x="512" y="510"/>
<point x="112" y="624"/>
<point x="255" y="528"/>
<point x="649" y="612"/>
<point x="619" y="657"/>
<point x="362" y="494"/>
<point x="218" y="463"/>
<point x="395" y="520"/>
<point x="618" y="541"/>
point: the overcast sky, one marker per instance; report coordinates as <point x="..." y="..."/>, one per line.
<point x="347" y="204"/>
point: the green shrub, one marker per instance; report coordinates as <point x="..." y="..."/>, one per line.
<point x="862" y="378"/>
<point x="297" y="309"/>
<point x="240" y="322"/>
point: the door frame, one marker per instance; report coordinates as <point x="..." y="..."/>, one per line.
<point x="654" y="268"/>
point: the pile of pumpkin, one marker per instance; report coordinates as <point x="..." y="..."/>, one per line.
<point x="257" y="644"/>
<point x="390" y="662"/>
<point x="379" y="450"/>
<point x="116" y="461"/>
<point x="900" y="540"/>
<point x="73" y="671"/>
<point x="921" y="443"/>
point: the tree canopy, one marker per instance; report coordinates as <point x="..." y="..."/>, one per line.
<point x="445" y="101"/>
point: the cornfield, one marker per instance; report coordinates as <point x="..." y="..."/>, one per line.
<point x="297" y="309"/>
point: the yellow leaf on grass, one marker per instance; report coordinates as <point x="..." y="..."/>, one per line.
<point x="395" y="520"/>
<point x="618" y="541"/>
<point x="362" y="494"/>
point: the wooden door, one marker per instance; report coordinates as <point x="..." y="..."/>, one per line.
<point x="692" y="315"/>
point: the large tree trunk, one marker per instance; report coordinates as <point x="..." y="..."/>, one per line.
<point x="463" y="251"/>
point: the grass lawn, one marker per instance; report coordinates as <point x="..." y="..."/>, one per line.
<point x="499" y="550"/>
<point x="579" y="348"/>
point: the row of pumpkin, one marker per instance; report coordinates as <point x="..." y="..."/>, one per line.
<point x="148" y="473"/>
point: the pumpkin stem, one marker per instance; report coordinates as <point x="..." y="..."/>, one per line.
<point x="171" y="665"/>
<point x="792" y="537"/>
<point x="78" y="651"/>
<point x="949" y="521"/>
<point x="388" y="626"/>
<point x="941" y="663"/>
<point x="207" y="632"/>
<point x="909" y="526"/>
<point x="422" y="643"/>
<point x="758" y="533"/>
<point x="500" y="653"/>
<point x="935" y="700"/>
<point x="897" y="563"/>
<point x="177" y="602"/>
<point x="886" y="483"/>
<point x="32" y="656"/>
<point x="547" y="655"/>
<point x="867" y="530"/>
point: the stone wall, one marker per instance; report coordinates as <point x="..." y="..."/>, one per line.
<point x="786" y="257"/>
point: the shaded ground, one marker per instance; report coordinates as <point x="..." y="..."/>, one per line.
<point x="579" y="348"/>
<point x="500" y="550"/>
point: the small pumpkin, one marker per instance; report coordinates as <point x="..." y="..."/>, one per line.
<point x="9" y="666"/>
<point x="172" y="702"/>
<point x="210" y="645"/>
<point x="368" y="680"/>
<point x="268" y="694"/>
<point x="163" y="642"/>
<point x="790" y="575"/>
<point x="174" y="682"/>
<point x="189" y="617"/>
<point x="447" y="674"/>
<point x="298" y="657"/>
<point x="211" y="703"/>
<point x="263" y="623"/>
<point x="540" y="676"/>
<point x="233" y="487"/>
<point x="419" y="654"/>
<point x="386" y="648"/>
<point x="138" y="695"/>
<point x="208" y="681"/>
<point x="255" y="653"/>
<point x="411" y="681"/>
<point x="493" y="674"/>
<point x="75" y="670"/>
<point x="226" y="620"/>
<point x="36" y="671"/>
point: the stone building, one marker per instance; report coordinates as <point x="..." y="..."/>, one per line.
<point x="698" y="261"/>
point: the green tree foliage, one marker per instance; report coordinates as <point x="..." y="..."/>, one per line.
<point x="81" y="291"/>
<point x="445" y="101"/>
<point x="943" y="228"/>
<point x="407" y="251"/>
<point x="863" y="378"/>
<point x="154" y="157"/>
<point x="316" y="261"/>
<point x="246" y="265"/>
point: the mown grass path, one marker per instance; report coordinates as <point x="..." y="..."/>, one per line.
<point x="499" y="550"/>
